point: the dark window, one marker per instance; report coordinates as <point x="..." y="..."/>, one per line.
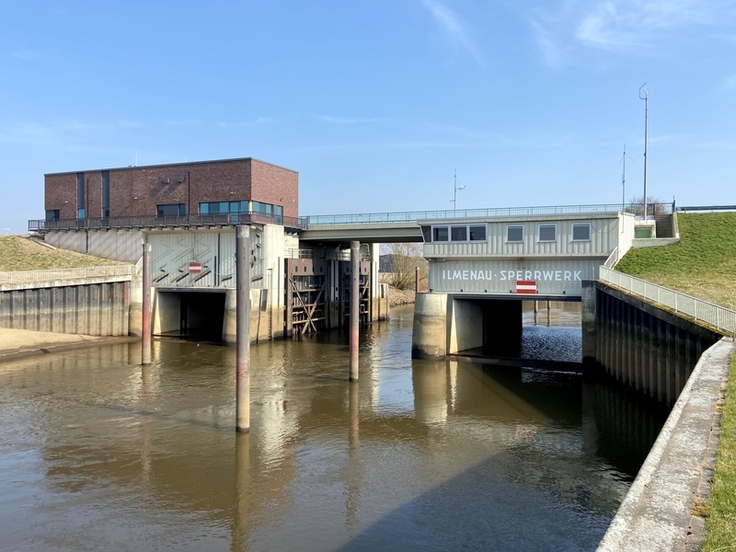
<point x="581" y="232"/>
<point x="52" y="214"/>
<point x="105" y="194"/>
<point x="440" y="234"/>
<point x="547" y="232"/>
<point x="478" y="233"/>
<point x="171" y="210"/>
<point x="427" y="234"/>
<point x="80" y="196"/>
<point x="514" y="233"/>
<point x="459" y="233"/>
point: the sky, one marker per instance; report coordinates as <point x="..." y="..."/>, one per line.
<point x="378" y="104"/>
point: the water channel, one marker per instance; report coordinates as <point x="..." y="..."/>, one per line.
<point x="99" y="453"/>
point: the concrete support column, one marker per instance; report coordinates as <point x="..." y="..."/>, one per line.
<point x="590" y="353"/>
<point x="242" y="356"/>
<point x="466" y="325"/>
<point x="354" y="310"/>
<point x="146" y="312"/>
<point x="229" y="321"/>
<point x="429" y="337"/>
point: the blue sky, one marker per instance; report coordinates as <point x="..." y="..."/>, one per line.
<point x="376" y="103"/>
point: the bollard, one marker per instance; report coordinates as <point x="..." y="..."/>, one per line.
<point x="242" y="329"/>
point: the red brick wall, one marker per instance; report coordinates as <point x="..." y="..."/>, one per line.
<point x="138" y="190"/>
<point x="277" y="186"/>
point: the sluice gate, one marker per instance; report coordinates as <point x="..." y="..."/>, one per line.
<point x="318" y="295"/>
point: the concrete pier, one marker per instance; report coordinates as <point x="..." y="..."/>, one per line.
<point x="429" y="339"/>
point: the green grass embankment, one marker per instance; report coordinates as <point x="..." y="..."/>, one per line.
<point x="703" y="264"/>
<point x="22" y="253"/>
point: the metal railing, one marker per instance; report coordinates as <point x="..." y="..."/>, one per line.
<point x="721" y="318"/>
<point x="412" y="216"/>
<point x="30" y="277"/>
<point x="151" y="221"/>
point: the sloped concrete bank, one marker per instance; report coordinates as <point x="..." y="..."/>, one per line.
<point x="657" y="511"/>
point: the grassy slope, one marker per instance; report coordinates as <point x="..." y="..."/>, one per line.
<point x="19" y="253"/>
<point x="703" y="264"/>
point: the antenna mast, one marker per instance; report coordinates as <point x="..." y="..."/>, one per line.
<point x="646" y="140"/>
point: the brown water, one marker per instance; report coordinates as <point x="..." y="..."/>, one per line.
<point x="98" y="453"/>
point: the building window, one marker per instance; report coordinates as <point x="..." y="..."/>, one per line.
<point x="514" y="233"/>
<point x="459" y="233"/>
<point x="581" y="232"/>
<point x="52" y="214"/>
<point x="440" y="234"/>
<point x="105" y="194"/>
<point x="547" y="232"/>
<point x="454" y="233"/>
<point x="477" y="233"/>
<point x="171" y="210"/>
<point x="80" y="196"/>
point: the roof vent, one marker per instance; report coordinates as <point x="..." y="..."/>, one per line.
<point x="165" y="180"/>
<point x="179" y="179"/>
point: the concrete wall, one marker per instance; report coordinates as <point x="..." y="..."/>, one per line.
<point x="118" y="245"/>
<point x="429" y="336"/>
<point x="100" y="309"/>
<point x="466" y="326"/>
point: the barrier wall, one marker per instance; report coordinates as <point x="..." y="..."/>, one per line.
<point x="100" y="309"/>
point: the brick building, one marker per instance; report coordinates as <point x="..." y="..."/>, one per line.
<point x="204" y="188"/>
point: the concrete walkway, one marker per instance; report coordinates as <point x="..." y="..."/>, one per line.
<point x="20" y="343"/>
<point x="657" y="513"/>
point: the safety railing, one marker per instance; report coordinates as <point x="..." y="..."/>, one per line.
<point x="412" y="216"/>
<point x="31" y="277"/>
<point x="150" y="221"/>
<point x="720" y="318"/>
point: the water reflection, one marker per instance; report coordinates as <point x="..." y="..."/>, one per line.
<point x="102" y="453"/>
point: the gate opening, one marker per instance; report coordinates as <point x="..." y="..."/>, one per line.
<point x="193" y="315"/>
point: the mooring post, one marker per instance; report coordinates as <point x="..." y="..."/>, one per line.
<point x="416" y="280"/>
<point x="354" y="309"/>
<point x="146" y="322"/>
<point x="242" y="330"/>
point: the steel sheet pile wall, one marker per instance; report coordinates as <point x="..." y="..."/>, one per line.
<point x="644" y="347"/>
<point x="93" y="309"/>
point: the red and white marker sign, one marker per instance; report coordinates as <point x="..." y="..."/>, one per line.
<point x="195" y="267"/>
<point x="526" y="286"/>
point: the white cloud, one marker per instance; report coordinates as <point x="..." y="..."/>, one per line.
<point x="347" y="120"/>
<point x="27" y="55"/>
<point x="258" y="121"/>
<point x="621" y="25"/>
<point x="58" y="132"/>
<point x="453" y="27"/>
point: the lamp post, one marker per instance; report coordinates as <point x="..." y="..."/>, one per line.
<point x="455" y="188"/>
<point x="646" y="139"/>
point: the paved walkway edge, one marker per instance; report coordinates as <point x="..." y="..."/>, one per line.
<point x="657" y="511"/>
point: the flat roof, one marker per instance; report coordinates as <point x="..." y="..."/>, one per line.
<point x="185" y="163"/>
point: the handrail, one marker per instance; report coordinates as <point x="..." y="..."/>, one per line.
<point x="413" y="216"/>
<point x="612" y="258"/>
<point x="152" y="221"/>
<point x="721" y="318"/>
<point x="62" y="274"/>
